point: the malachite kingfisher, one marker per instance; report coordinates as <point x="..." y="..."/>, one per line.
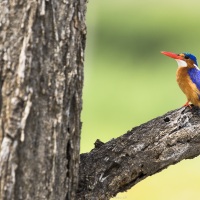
<point x="187" y="76"/>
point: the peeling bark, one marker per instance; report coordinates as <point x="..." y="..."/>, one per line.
<point x="41" y="77"/>
<point x="121" y="163"/>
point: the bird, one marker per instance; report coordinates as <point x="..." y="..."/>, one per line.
<point x="187" y="76"/>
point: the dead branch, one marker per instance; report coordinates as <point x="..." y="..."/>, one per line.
<point x="119" y="164"/>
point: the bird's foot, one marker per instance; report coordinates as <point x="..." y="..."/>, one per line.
<point x="187" y="105"/>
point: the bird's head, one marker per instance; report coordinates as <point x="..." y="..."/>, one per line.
<point x="183" y="59"/>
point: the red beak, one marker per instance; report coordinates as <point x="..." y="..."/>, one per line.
<point x="172" y="55"/>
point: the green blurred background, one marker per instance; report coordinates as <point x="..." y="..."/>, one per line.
<point x="128" y="81"/>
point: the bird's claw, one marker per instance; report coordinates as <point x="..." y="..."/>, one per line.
<point x="187" y="105"/>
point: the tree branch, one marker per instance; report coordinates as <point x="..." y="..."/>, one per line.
<point x="119" y="164"/>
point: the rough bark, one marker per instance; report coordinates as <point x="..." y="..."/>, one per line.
<point x="145" y="150"/>
<point x="41" y="77"/>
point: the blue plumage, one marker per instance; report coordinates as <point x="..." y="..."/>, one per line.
<point x="192" y="57"/>
<point x="194" y="74"/>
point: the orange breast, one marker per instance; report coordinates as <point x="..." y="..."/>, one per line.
<point x="187" y="86"/>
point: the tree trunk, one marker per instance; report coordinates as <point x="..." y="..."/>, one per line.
<point x="41" y="53"/>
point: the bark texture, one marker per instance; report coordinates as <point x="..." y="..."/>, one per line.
<point x="145" y="150"/>
<point x="41" y="76"/>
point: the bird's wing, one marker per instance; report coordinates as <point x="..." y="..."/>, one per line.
<point x="194" y="74"/>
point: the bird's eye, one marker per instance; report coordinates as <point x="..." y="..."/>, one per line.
<point x="187" y="57"/>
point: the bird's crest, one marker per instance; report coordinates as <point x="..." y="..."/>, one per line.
<point x="191" y="56"/>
